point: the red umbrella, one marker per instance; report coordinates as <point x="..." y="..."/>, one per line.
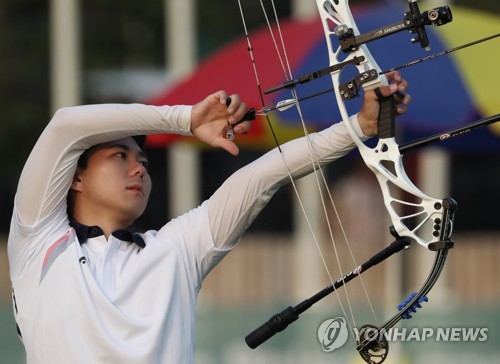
<point x="442" y="98"/>
<point x="231" y="69"/>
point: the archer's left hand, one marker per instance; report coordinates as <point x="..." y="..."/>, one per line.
<point x="368" y="115"/>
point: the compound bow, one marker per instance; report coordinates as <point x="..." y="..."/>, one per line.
<point x="416" y="217"/>
<point x="385" y="159"/>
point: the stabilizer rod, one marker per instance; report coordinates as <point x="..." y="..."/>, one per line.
<point x="280" y="321"/>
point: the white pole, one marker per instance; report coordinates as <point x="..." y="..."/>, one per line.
<point x="302" y="9"/>
<point x="65" y="53"/>
<point x="434" y="173"/>
<point x="184" y="165"/>
<point x="180" y="28"/>
<point x="184" y="177"/>
<point x="306" y="254"/>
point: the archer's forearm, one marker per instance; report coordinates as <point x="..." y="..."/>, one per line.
<point x="234" y="206"/>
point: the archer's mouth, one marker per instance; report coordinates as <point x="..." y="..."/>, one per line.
<point x="136" y="187"/>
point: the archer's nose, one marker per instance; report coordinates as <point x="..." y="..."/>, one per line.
<point x="138" y="169"/>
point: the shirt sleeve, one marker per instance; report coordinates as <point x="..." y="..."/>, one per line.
<point x="234" y="206"/>
<point x="49" y="170"/>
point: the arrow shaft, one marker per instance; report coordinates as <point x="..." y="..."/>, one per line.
<point x="439" y="54"/>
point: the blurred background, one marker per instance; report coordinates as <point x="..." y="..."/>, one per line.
<point x="57" y="53"/>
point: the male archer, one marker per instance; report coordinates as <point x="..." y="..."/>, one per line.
<point x="89" y="288"/>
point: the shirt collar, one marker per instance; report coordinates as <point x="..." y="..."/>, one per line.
<point x="84" y="232"/>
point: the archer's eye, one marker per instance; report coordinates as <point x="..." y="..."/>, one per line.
<point x="145" y="164"/>
<point x="121" y="155"/>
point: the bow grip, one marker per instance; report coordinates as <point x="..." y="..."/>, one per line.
<point x="386" y="115"/>
<point x="277" y="323"/>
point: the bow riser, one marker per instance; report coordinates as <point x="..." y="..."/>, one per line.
<point x="408" y="217"/>
<point x="384" y="160"/>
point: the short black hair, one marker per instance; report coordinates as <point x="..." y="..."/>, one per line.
<point x="140" y="140"/>
<point x="83" y="161"/>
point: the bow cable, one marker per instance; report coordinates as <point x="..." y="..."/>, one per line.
<point x="316" y="166"/>
<point x="314" y="162"/>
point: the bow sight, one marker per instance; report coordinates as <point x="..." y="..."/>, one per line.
<point x="414" y="21"/>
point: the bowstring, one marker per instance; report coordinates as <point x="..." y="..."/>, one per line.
<point x="318" y="172"/>
<point x="344" y="234"/>
<point x="337" y="215"/>
<point x="314" y="162"/>
<point x="283" y="57"/>
<point x="289" y="173"/>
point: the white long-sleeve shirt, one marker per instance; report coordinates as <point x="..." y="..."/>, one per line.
<point x="109" y="300"/>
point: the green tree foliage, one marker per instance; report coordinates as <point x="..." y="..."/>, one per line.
<point x="24" y="89"/>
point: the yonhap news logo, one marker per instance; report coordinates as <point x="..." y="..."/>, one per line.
<point x="441" y="334"/>
<point x="333" y="334"/>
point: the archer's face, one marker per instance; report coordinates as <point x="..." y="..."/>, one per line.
<point x="115" y="185"/>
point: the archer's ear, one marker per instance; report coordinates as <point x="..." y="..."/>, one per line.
<point x="76" y="185"/>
